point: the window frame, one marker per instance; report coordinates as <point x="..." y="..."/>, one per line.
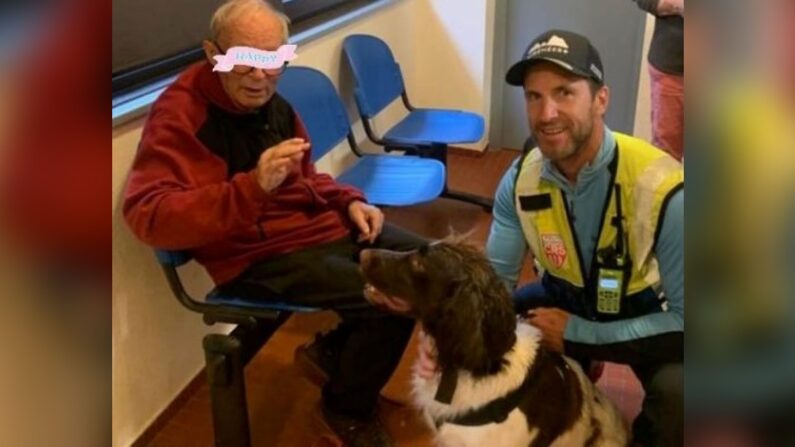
<point x="303" y="14"/>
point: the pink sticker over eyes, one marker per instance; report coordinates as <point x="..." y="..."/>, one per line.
<point x="255" y="58"/>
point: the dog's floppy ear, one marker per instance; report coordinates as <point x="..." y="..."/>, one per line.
<point x="456" y="331"/>
<point x="499" y="319"/>
<point x="474" y="328"/>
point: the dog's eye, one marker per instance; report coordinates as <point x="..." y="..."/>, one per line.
<point x="423" y="250"/>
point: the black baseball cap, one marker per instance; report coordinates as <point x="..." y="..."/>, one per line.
<point x="570" y="50"/>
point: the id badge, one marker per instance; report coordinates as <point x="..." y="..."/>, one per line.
<point x="608" y="291"/>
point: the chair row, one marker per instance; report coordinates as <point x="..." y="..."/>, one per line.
<point x="385" y="180"/>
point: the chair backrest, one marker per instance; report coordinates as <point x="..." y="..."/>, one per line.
<point x="377" y="75"/>
<point x="314" y="98"/>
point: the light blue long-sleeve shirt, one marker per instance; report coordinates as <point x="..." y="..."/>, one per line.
<point x="507" y="247"/>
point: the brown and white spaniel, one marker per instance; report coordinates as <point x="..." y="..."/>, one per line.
<point x="497" y="386"/>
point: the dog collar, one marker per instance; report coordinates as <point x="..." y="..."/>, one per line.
<point x="447" y="385"/>
<point x="498" y="410"/>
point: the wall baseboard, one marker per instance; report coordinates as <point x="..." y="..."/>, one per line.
<point x="460" y="151"/>
<point x="148" y="435"/>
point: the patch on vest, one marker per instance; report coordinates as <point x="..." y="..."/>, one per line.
<point x="554" y="248"/>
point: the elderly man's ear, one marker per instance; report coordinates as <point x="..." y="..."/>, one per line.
<point x="210" y="50"/>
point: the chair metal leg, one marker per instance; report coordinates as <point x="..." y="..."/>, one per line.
<point x="485" y="203"/>
<point x="439" y="152"/>
<point x="224" y="365"/>
<point x="226" y="357"/>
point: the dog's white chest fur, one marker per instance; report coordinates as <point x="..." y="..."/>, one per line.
<point x="472" y="394"/>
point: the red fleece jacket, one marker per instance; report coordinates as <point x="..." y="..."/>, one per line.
<point x="179" y="195"/>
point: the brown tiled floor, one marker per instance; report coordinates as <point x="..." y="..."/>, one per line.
<point x="283" y="404"/>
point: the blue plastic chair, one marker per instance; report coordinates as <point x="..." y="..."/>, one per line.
<point x="384" y="180"/>
<point x="226" y="355"/>
<point x="427" y="132"/>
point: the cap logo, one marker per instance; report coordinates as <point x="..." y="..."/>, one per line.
<point x="596" y="71"/>
<point x="555" y="44"/>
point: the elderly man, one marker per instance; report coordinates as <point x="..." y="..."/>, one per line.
<point x="223" y="170"/>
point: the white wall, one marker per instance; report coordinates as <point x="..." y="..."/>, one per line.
<point x="156" y="342"/>
<point x="453" y="56"/>
<point x="442" y="46"/>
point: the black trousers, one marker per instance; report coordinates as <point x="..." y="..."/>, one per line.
<point x="661" y="421"/>
<point x="369" y="343"/>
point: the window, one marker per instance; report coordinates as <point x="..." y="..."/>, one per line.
<point x="156" y="39"/>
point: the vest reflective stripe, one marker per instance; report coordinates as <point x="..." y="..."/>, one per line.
<point x="647" y="176"/>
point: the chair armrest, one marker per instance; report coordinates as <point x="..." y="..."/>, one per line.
<point x="214" y="313"/>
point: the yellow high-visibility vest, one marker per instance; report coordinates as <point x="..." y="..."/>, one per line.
<point x="647" y="176"/>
